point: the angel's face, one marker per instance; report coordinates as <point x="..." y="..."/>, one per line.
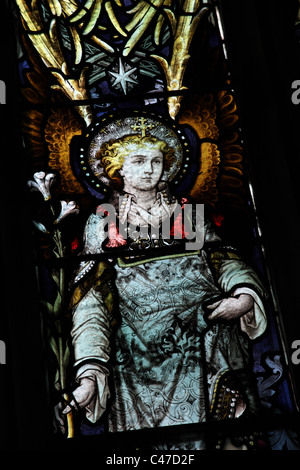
<point x="142" y="170"/>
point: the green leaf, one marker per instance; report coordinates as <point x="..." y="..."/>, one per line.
<point x="47" y="306"/>
<point x="57" y="381"/>
<point x="57" y="304"/>
<point x="54" y="347"/>
<point x="66" y="355"/>
<point x="55" y="277"/>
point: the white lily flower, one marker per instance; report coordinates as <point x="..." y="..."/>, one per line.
<point x="39" y="226"/>
<point x="42" y="182"/>
<point x="66" y="209"/>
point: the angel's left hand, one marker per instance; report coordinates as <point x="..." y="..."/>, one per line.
<point x="231" y="308"/>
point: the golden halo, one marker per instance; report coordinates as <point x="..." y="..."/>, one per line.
<point x="111" y="128"/>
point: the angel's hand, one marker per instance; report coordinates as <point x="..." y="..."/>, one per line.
<point x="231" y="308"/>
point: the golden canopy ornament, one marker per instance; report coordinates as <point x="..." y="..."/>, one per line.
<point x="220" y="171"/>
<point x="85" y="19"/>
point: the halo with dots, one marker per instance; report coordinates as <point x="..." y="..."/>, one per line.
<point x="114" y="127"/>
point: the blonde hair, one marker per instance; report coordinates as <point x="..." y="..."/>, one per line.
<point x="112" y="154"/>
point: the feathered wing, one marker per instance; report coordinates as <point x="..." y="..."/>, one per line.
<point x="220" y="179"/>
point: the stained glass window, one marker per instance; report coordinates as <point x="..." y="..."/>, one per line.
<point x="157" y="304"/>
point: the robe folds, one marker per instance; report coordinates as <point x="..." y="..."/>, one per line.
<point x="140" y="331"/>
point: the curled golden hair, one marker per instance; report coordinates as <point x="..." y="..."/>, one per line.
<point x="112" y="154"/>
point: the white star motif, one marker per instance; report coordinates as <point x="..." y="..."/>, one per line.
<point x="123" y="77"/>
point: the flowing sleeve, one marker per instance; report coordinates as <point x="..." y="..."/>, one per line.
<point x="235" y="277"/>
<point x="91" y="332"/>
<point x="91" y="329"/>
<point x="93" y="318"/>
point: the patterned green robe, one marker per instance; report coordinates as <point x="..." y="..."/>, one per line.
<point x="140" y="331"/>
